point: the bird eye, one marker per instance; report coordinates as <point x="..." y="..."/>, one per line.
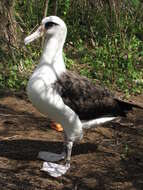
<point x="49" y="25"/>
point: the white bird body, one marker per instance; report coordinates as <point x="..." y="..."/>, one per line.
<point x="66" y="97"/>
<point x="45" y="97"/>
<point x="42" y="94"/>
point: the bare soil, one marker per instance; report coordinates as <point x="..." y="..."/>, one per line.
<point x="109" y="157"/>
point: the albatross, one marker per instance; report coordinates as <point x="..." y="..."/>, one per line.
<point x="67" y="98"/>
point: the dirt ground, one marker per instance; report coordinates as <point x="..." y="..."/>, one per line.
<point x="109" y="157"/>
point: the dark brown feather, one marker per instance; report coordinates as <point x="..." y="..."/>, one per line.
<point x="89" y="101"/>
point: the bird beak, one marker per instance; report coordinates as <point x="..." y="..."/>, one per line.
<point x="38" y="33"/>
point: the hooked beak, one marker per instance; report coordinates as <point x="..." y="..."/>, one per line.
<point x="38" y="33"/>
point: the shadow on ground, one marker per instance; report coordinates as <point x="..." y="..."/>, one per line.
<point x="108" y="158"/>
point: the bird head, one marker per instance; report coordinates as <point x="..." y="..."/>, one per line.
<point x="51" y="26"/>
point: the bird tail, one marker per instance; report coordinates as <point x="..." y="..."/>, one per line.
<point x="127" y="106"/>
<point x="124" y="107"/>
<point x="96" y="122"/>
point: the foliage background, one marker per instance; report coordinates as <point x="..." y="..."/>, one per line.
<point x="104" y="42"/>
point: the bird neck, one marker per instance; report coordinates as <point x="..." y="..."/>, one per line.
<point x="53" y="55"/>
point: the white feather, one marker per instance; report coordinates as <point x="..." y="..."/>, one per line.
<point x="96" y="122"/>
<point x="41" y="92"/>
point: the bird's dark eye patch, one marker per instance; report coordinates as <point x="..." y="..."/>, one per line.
<point x="49" y="25"/>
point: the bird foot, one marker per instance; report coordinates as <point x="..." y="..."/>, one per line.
<point x="52" y="157"/>
<point x="58" y="127"/>
<point x="55" y="170"/>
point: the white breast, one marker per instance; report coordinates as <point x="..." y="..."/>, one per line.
<point x="45" y="98"/>
<point x="39" y="84"/>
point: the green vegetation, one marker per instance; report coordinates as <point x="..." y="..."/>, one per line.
<point x="104" y="42"/>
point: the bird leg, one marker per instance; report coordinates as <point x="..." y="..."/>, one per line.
<point x="68" y="151"/>
<point x="57" y="170"/>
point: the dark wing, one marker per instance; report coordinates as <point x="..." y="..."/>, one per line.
<point x="86" y="99"/>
